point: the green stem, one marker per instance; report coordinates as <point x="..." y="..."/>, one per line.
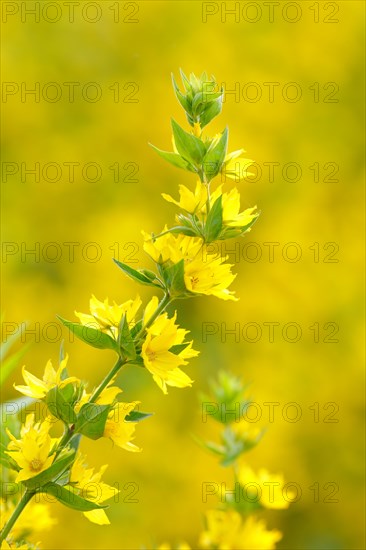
<point x="69" y="434"/>
<point x="207" y="184"/>
<point x="18" y="510"/>
<point x="112" y="373"/>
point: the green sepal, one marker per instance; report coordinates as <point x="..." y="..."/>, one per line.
<point x="125" y="339"/>
<point x="178" y="348"/>
<point x="213" y="224"/>
<point x="91" y="420"/>
<point x="174" y="279"/>
<point x="136" y="329"/>
<point x="60" y="403"/>
<point x="215" y="156"/>
<point x="137" y="416"/>
<point x="68" y="496"/>
<point x="189" y="146"/>
<point x="52" y="473"/>
<point x="138" y="276"/>
<point x="90" y="335"/>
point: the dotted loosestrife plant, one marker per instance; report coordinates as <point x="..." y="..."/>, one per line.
<point x="144" y="335"/>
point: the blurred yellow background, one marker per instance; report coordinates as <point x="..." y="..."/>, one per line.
<point x="128" y="54"/>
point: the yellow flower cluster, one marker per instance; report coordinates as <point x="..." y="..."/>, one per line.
<point x="147" y="336"/>
<point x="34" y="452"/>
<point x="204" y="273"/>
<point x="226" y="530"/>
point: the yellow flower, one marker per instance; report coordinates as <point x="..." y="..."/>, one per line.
<point x="37" y="388"/>
<point x="231" y="215"/>
<point x="32" y="452"/>
<point x="268" y="488"/>
<point x="208" y="275"/>
<point x="118" y="429"/>
<point x="235" y="167"/>
<point x="204" y="273"/>
<point x="35" y="518"/>
<point x="157" y="353"/>
<point x="107" y="397"/>
<point x="226" y="530"/>
<point x="90" y="487"/>
<point x="196" y="203"/>
<point x="190" y="201"/>
<point x="106" y="317"/>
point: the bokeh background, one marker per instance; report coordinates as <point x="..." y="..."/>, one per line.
<point x="150" y="40"/>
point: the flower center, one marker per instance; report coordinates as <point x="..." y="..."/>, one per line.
<point x="35" y="465"/>
<point x="194" y="281"/>
<point x="151" y="355"/>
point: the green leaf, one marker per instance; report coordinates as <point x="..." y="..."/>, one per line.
<point x="92" y="336"/>
<point x="91" y="420"/>
<point x="184" y="231"/>
<point x="138" y="276"/>
<point x="149" y="274"/>
<point x="69" y="497"/>
<point x="174" y="279"/>
<point x="215" y="157"/>
<point x="189" y="146"/>
<point x="52" y="473"/>
<point x="183" y="100"/>
<point x="203" y="100"/>
<point x="125" y="339"/>
<point x="136" y="329"/>
<point x="137" y="416"/>
<point x="174" y="159"/>
<point x="59" y="403"/>
<point x="213" y="109"/>
<point x="214" y="221"/>
<point x="185" y="81"/>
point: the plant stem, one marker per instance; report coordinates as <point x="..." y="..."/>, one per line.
<point x="166" y="300"/>
<point x="18" y="510"/>
<point x="112" y="373"/>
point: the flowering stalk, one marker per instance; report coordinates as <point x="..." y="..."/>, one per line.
<point x="234" y="524"/>
<point x="184" y="268"/>
<point x="27" y="496"/>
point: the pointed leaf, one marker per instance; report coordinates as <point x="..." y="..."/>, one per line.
<point x="125" y="339"/>
<point x="174" y="279"/>
<point x="215" y="157"/>
<point x="52" y="473"/>
<point x="69" y="497"/>
<point x="137" y="416"/>
<point x="92" y="419"/>
<point x="90" y="335"/>
<point x="174" y="159"/>
<point x="189" y="146"/>
<point x="213" y="109"/>
<point x="214" y="221"/>
<point x="136" y="275"/>
<point x="58" y="404"/>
